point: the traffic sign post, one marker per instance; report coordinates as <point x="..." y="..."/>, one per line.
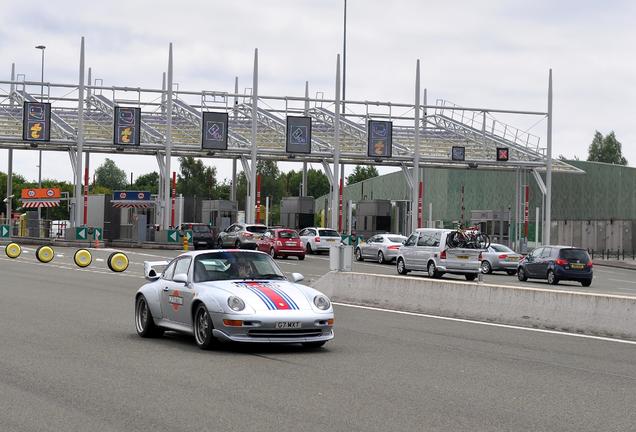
<point x="81" y="233"/>
<point x="5" y="231"/>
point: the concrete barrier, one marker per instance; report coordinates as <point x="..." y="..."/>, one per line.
<point x="597" y="314"/>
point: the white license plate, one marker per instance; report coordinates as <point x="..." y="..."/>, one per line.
<point x="291" y="244"/>
<point x="288" y="325"/>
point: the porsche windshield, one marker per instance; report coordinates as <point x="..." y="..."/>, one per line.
<point x="215" y="266"/>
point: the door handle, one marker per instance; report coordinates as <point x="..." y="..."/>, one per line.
<point x="166" y="288"/>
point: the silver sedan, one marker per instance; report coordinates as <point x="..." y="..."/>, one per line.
<point x="382" y="248"/>
<point x="499" y="257"/>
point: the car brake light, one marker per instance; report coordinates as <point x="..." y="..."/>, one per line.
<point x="589" y="264"/>
<point x="504" y="256"/>
<point x="317" y="239"/>
<point x="247" y="234"/>
<point x="442" y="255"/>
<point x="393" y="247"/>
<point x="561" y="262"/>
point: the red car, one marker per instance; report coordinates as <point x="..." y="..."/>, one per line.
<point x="281" y="242"/>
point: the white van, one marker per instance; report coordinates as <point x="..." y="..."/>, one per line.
<point x="426" y="250"/>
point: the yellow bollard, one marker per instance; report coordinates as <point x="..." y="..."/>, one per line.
<point x="185" y="242"/>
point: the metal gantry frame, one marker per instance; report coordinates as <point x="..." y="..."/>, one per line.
<point x="423" y="134"/>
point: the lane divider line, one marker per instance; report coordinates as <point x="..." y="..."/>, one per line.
<point x="468" y="321"/>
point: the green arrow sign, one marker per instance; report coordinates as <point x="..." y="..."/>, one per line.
<point x="4" y="231"/>
<point x="188" y="235"/>
<point x="98" y="234"/>
<point x="81" y="233"/>
<point x="173" y="236"/>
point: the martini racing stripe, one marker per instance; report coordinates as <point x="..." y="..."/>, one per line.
<point x="270" y="305"/>
<point x="274" y="298"/>
<point x="284" y="295"/>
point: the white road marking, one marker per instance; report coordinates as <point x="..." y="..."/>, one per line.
<point x="467" y="321"/>
<point x="99" y="259"/>
<point x="622" y="280"/>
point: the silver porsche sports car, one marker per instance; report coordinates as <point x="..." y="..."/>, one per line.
<point x="231" y="295"/>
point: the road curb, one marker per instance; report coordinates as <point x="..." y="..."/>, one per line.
<point x="615" y="265"/>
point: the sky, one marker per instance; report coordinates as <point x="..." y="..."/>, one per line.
<point x="492" y="53"/>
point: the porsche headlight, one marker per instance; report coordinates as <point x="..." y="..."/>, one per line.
<point x="322" y="302"/>
<point x="235" y="303"/>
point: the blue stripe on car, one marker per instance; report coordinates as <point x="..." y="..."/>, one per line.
<point x="284" y="295"/>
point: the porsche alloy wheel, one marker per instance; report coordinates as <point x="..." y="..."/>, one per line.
<point x="144" y="323"/>
<point x="203" y="329"/>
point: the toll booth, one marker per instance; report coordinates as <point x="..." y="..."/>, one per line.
<point x="373" y="217"/>
<point x="219" y="213"/>
<point x="136" y="212"/>
<point x="297" y="212"/>
<point x="495" y="223"/>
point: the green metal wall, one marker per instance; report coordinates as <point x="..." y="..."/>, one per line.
<point x="604" y="192"/>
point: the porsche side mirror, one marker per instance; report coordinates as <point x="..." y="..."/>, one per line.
<point x="297" y="277"/>
<point x="180" y="278"/>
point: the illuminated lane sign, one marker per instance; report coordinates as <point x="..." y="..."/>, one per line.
<point x="503" y="153"/>
<point x="380" y="139"/>
<point x="214" y="131"/>
<point x="127" y="126"/>
<point x="36" y="121"/>
<point x="298" y="136"/>
<point x="458" y="153"/>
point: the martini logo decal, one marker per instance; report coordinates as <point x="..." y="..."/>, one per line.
<point x="175" y="300"/>
<point x="273" y="297"/>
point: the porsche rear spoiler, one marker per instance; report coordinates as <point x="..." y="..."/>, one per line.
<point x="153" y="269"/>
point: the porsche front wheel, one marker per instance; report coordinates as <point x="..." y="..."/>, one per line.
<point x="144" y="323"/>
<point x="203" y="329"/>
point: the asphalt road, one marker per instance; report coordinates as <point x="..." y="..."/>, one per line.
<point x="70" y="361"/>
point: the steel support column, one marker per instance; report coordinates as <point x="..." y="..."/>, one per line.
<point x="336" y="151"/>
<point x="166" y="177"/>
<point x="233" y="186"/>
<point x="80" y="141"/>
<point x="548" y="168"/>
<point x="252" y="179"/>
<point x="303" y="189"/>
<point x="415" y="203"/>
<point x="10" y="156"/>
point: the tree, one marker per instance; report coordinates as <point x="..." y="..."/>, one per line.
<point x="361" y="173"/>
<point x="147" y="182"/>
<point x="196" y="179"/>
<point x="110" y="176"/>
<point x="317" y="183"/>
<point x="606" y="149"/>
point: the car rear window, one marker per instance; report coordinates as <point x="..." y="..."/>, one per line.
<point x="200" y="228"/>
<point x="501" y="248"/>
<point x="328" y="233"/>
<point x="256" y="229"/>
<point x="574" y="254"/>
<point x="396" y="239"/>
<point x="287" y="234"/>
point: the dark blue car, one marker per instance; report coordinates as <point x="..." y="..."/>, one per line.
<point x="557" y="263"/>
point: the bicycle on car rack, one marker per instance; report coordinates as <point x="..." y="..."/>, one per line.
<point x="467" y="238"/>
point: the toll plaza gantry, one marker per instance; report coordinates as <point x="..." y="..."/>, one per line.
<point x="88" y="117"/>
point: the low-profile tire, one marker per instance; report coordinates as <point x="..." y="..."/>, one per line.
<point x="521" y="275"/>
<point x="219" y="244"/>
<point x="511" y="272"/>
<point x="272" y="253"/>
<point x="301" y="257"/>
<point x="552" y="279"/>
<point x="144" y="323"/>
<point x="309" y="249"/>
<point x="202" y="326"/>
<point x="432" y="272"/>
<point x="470" y="277"/>
<point x="485" y="267"/>
<point x="358" y="255"/>
<point x="381" y="259"/>
<point x="401" y="267"/>
<point x="586" y="283"/>
<point x="313" y="345"/>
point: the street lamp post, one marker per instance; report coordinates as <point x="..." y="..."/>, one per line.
<point x="41" y="48"/>
<point x="344" y="58"/>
